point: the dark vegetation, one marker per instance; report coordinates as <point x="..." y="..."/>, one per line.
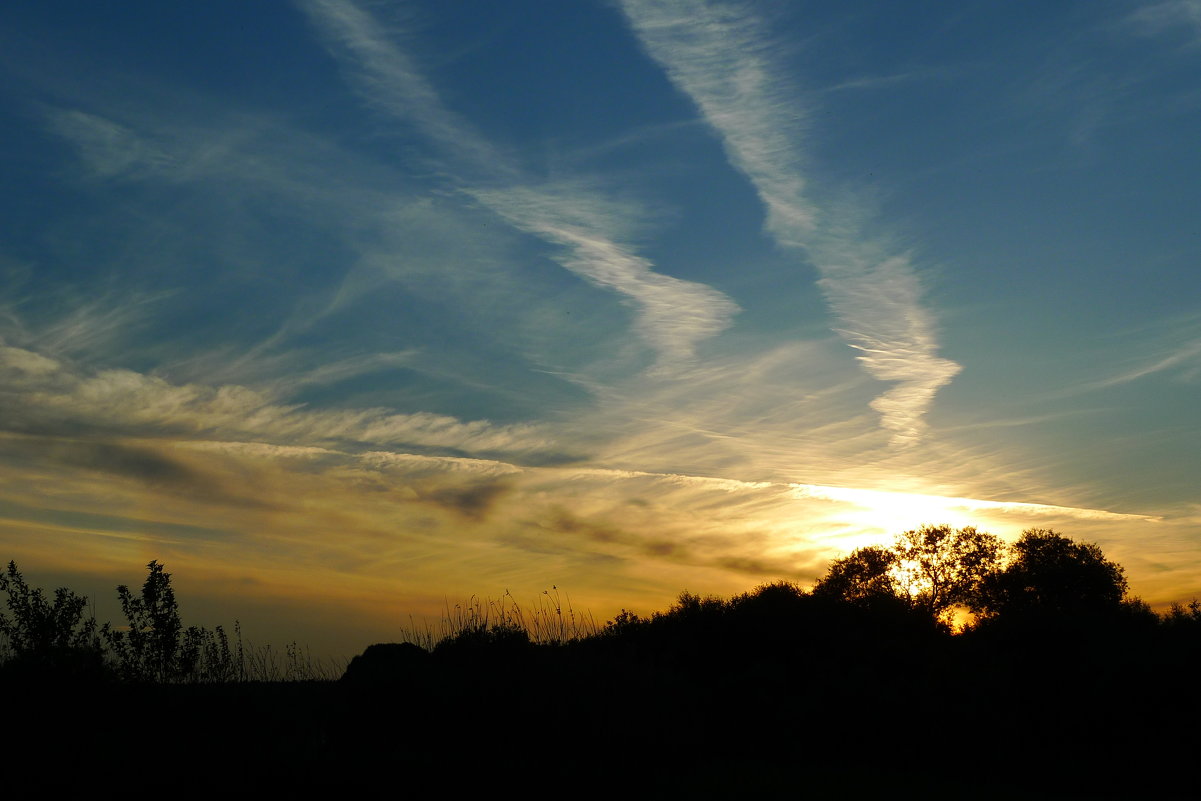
<point x="948" y="665"/>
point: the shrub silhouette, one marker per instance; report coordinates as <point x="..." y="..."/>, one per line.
<point x="156" y="646"/>
<point x="501" y="636"/>
<point x="48" y="639"/>
<point x="624" y="623"/>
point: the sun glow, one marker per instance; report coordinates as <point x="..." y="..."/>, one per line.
<point x="888" y="512"/>
<point x="885" y="511"/>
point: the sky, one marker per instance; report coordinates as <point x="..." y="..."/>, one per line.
<point x="349" y="311"/>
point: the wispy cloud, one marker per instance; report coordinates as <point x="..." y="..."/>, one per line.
<point x="1163" y="354"/>
<point x="44" y="395"/>
<point x="417" y="463"/>
<point x="388" y="80"/>
<point x="1170" y="15"/>
<point x="76" y="324"/>
<point x="672" y="314"/>
<point x="881" y="81"/>
<point x="892" y="501"/>
<point x="721" y="56"/>
<point x="107" y="148"/>
<point x="1186" y="358"/>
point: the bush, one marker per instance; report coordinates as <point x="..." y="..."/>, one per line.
<point x="156" y="646"/>
<point x="45" y="638"/>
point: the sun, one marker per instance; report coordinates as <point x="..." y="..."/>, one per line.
<point x="887" y="512"/>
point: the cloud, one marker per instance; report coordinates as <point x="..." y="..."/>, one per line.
<point x="1159" y="17"/>
<point x="743" y="553"/>
<point x="77" y="325"/>
<point x="107" y="148"/>
<point x="26" y="363"/>
<point x="348" y="368"/>
<point x="869" y="82"/>
<point x="418" y="463"/>
<point x="672" y="315"/>
<point x="718" y="55"/>
<point x="125" y="400"/>
<point x="878" y="301"/>
<point x="1186" y="357"/>
<point x="722" y="57"/>
<point x="139" y="463"/>
<point x="240" y="155"/>
<point x="258" y="450"/>
<point x="891" y="501"/>
<point x="389" y="81"/>
<point x="124" y="467"/>
<point x="472" y="501"/>
<point x="1166" y="348"/>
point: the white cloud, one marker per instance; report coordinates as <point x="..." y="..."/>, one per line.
<point x="720" y="56"/>
<point x="150" y="405"/>
<point x="26" y="362"/>
<point x="412" y="462"/>
<point x="107" y="148"/>
<point x="388" y="80"/>
<point x="893" y="502"/>
<point x="1158" y="17"/>
<point x="672" y="314"/>
<point x="346" y="369"/>
<point x="257" y="450"/>
<point x="1187" y="356"/>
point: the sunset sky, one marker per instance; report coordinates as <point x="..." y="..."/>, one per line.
<point x="347" y="311"/>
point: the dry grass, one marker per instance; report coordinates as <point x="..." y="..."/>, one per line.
<point x="550" y="620"/>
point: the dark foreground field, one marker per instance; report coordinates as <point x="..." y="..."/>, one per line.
<point x="793" y="699"/>
<point x="1062" y="688"/>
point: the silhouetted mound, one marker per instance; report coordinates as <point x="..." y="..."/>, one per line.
<point x="387" y="663"/>
<point x="1063" y="688"/>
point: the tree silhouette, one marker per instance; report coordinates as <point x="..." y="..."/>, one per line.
<point x="941" y="567"/>
<point x="864" y="577"/>
<point x="931" y="568"/>
<point x="1052" y="576"/>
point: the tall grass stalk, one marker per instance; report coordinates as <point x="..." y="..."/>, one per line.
<point x="294" y="663"/>
<point x="550" y="620"/>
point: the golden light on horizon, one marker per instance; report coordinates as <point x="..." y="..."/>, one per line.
<point x="888" y="512"/>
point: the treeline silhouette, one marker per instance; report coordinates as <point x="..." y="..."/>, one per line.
<point x="947" y="665"/>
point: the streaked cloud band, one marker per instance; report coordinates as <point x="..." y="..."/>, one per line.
<point x="721" y="56"/>
<point x="672" y="315"/>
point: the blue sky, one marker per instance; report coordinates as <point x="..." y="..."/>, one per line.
<point x="342" y="309"/>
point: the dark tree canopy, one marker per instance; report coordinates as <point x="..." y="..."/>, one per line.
<point x="932" y="568"/>
<point x="942" y="567"/>
<point x="864" y="576"/>
<point x="1051" y="575"/>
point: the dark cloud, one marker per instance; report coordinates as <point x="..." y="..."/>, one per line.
<point x="473" y="501"/>
<point x="663" y="549"/>
<point x="567" y="523"/>
<point x="695" y="552"/>
<point x="537" y="459"/>
<point x="773" y="568"/>
<point x="14" y="510"/>
<point x="142" y="464"/>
